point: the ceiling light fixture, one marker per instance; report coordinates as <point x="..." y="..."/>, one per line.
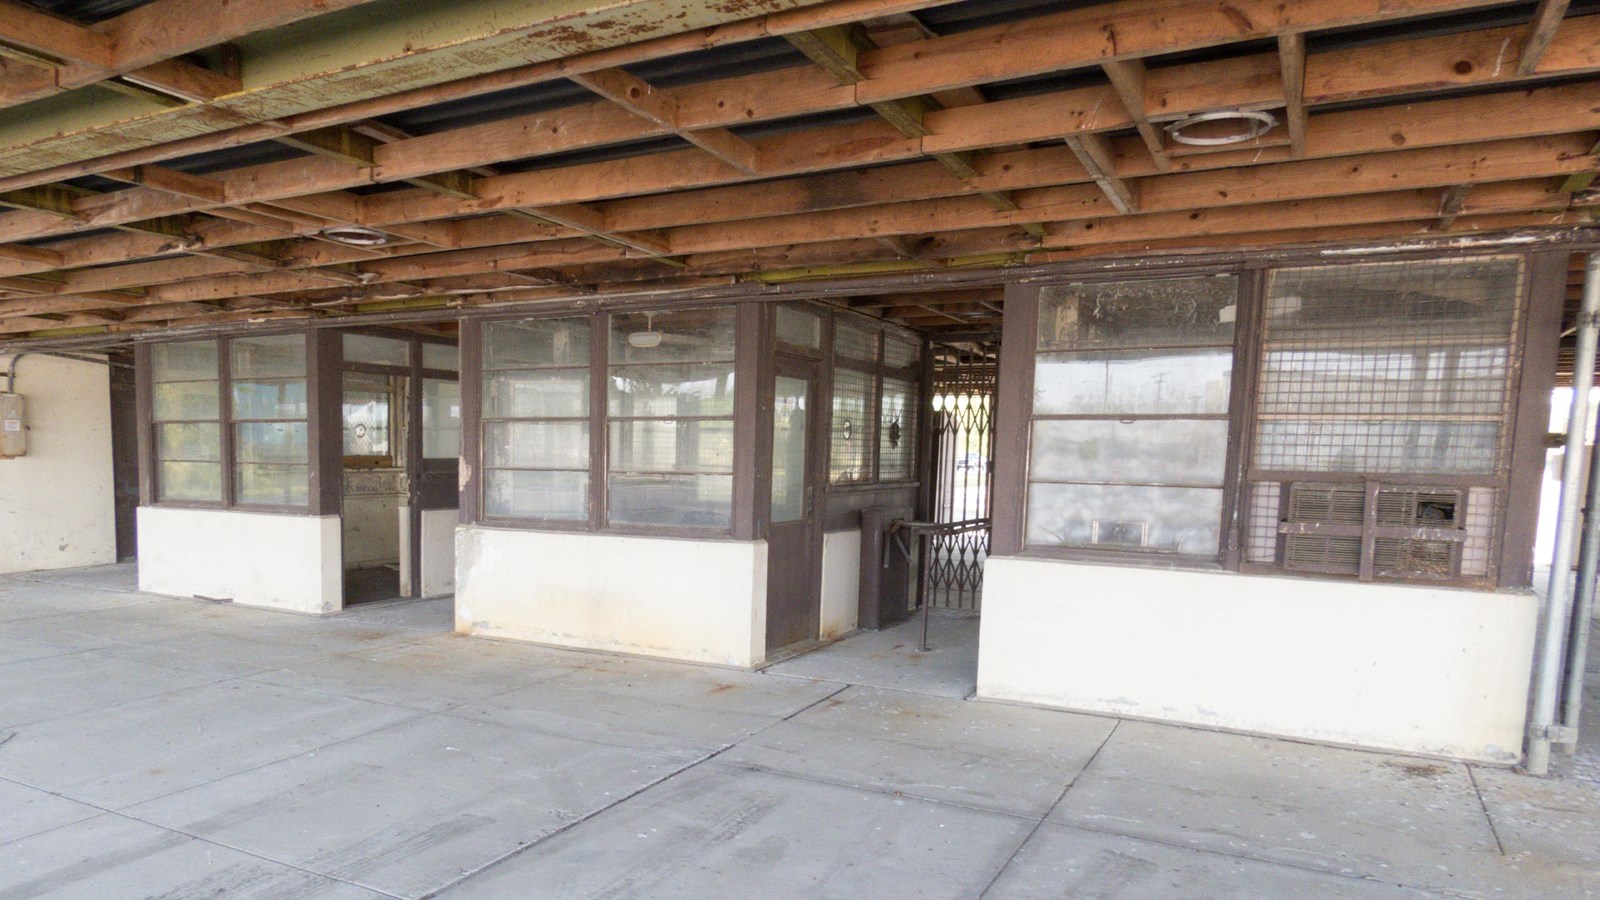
<point x="1230" y="126"/>
<point x="647" y="338"/>
<point x="355" y="236"/>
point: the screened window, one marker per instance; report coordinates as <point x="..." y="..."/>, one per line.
<point x="669" y="418"/>
<point x="536" y="418"/>
<point x="1376" y="379"/>
<point x="187" y="414"/>
<point x="1130" y="415"/>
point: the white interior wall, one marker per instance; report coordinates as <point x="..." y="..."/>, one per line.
<point x="702" y="601"/>
<point x="57" y="502"/>
<point x="254" y="559"/>
<point x="439" y="552"/>
<point x="1402" y="667"/>
<point x="371" y="502"/>
<point x="841" y="583"/>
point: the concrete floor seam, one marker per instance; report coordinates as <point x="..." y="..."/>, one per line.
<point x="1484" y="805"/>
<point x="1048" y="810"/>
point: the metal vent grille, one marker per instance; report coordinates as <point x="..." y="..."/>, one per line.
<point x="1419" y="507"/>
<point x="1412" y="558"/>
<point x="1325" y="504"/>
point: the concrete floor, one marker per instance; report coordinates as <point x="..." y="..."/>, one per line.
<point x="159" y="747"/>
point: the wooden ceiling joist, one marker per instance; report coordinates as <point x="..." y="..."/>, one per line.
<point x="948" y="174"/>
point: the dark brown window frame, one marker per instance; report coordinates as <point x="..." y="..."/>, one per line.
<point x="1539" y="317"/>
<point x="748" y="332"/>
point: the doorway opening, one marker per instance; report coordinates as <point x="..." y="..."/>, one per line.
<point x="401" y="414"/>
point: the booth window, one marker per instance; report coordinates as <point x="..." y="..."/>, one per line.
<point x="536" y="419"/>
<point x="669" y="402"/>
<point x="1129" y="435"/>
<point x="186" y="410"/>
<point x="875" y="398"/>
<point x="230" y="422"/>
<point x="1382" y="431"/>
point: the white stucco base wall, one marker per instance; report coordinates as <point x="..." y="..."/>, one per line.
<point x="56" y="501"/>
<point x="701" y="601"/>
<point x="254" y="559"/>
<point x="841" y="583"/>
<point x="439" y="551"/>
<point x="1417" y="669"/>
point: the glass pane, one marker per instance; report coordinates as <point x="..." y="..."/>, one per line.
<point x="367" y="414"/>
<point x="271" y="484"/>
<point x="1426" y="299"/>
<point x="852" y="342"/>
<point x="536" y="445"/>
<point x="1164" y="312"/>
<point x="1173" y="520"/>
<point x="277" y="356"/>
<point x="275" y="442"/>
<point x="278" y="399"/>
<point x="523" y="393"/>
<point x="789" y="405"/>
<point x="444" y="357"/>
<point x="672" y="445"/>
<point x="897" y="430"/>
<point x="195" y="442"/>
<point x="1133" y="382"/>
<point x="690" y="335"/>
<point x="800" y="328"/>
<point x="536" y="495"/>
<point x="1353" y="445"/>
<point x="380" y="351"/>
<point x="899" y="353"/>
<point x="673" y="390"/>
<point x="198" y="481"/>
<point x="441" y="418"/>
<point x="536" y="342"/>
<point x="185" y="361"/>
<point x="186" y="400"/>
<point x="1152" y="451"/>
<point x="701" y="501"/>
<point x="852" y="432"/>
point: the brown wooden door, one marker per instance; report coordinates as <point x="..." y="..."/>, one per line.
<point x="794" y="541"/>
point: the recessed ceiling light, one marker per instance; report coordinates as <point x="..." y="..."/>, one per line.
<point x="1231" y="126"/>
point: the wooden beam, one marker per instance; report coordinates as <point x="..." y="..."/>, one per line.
<point x="1292" y="59"/>
<point x="171" y="181"/>
<point x="53" y="199"/>
<point x="1541" y="31"/>
<point x="30" y="34"/>
<point x="1127" y="79"/>
<point x="642" y="99"/>
<point x="1094" y="154"/>
<point x="184" y="81"/>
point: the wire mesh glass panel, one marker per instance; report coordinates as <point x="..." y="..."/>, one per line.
<point x="672" y="445"/>
<point x="536" y="343"/>
<point x="852" y="435"/>
<point x="1165" y="312"/>
<point x="443" y="357"/>
<point x="799" y="327"/>
<point x="852" y="342"/>
<point x="1261" y="542"/>
<point x="693" y="335"/>
<point x="1141" y="451"/>
<point x="1388" y="367"/>
<point x="897" y="430"/>
<point x="694" y="389"/>
<point x="899" y="352"/>
<point x="1480" y="524"/>
<point x="375" y="350"/>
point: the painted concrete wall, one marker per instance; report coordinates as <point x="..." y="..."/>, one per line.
<point x="56" y="503"/>
<point x="1418" y="669"/>
<point x="841" y="583"/>
<point x="703" y="601"/>
<point x="254" y="559"/>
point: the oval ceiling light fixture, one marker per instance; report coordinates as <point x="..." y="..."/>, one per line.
<point x="1218" y="129"/>
<point x="355" y="236"/>
<point x="649" y="337"/>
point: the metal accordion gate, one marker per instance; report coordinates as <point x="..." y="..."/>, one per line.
<point x="961" y="417"/>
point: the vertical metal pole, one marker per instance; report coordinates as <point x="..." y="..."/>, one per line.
<point x="1547" y="685"/>
<point x="1582" y="608"/>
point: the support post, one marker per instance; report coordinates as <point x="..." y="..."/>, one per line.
<point x="1582" y="608"/>
<point x="1553" y="646"/>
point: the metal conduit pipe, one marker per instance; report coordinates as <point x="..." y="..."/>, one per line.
<point x="1582" y="608"/>
<point x="1553" y="646"/>
<point x="11" y="373"/>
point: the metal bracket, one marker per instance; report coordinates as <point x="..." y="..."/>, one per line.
<point x="1555" y="734"/>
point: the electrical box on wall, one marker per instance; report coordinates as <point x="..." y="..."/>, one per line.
<point x="13" y="426"/>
